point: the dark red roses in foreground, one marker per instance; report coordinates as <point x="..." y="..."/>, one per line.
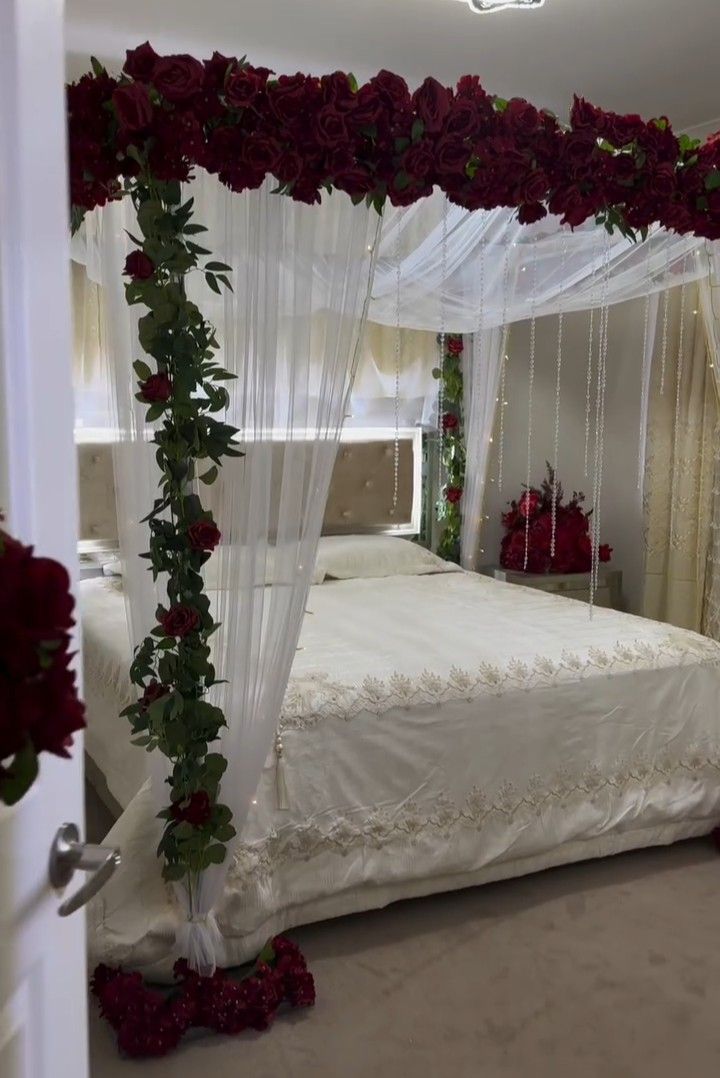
<point x="203" y="535"/>
<point x="39" y="705"/>
<point x="528" y="527"/>
<point x="180" y="620"/>
<point x="148" y="1023"/>
<point x="139" y="266"/>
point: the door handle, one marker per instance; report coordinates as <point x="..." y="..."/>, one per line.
<point x="68" y="854"/>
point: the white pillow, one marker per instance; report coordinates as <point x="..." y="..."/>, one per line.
<point x="347" y="557"/>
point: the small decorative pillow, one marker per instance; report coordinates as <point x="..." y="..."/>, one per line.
<point x="348" y="557"/>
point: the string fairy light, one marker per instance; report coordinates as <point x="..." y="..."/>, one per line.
<point x="647" y="364"/>
<point x="531" y="383"/>
<point x="680" y="365"/>
<point x="556" y="434"/>
<point x="503" y="362"/>
<point x="666" y="312"/>
<point x="396" y="446"/>
<point x="588" y="386"/>
<point x="441" y="387"/>
<point x="600" y="426"/>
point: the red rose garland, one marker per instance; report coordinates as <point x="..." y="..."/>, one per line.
<point x="573" y="546"/>
<point x="149" y="1023"/>
<point x="381" y="141"/>
<point x="39" y="705"/>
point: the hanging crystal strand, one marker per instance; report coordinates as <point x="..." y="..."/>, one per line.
<point x="396" y="447"/>
<point x="599" y="426"/>
<point x="666" y="310"/>
<point x="441" y="387"/>
<point x="531" y="384"/>
<point x="503" y="402"/>
<point x="556" y="437"/>
<point x="678" y="390"/>
<point x="647" y="363"/>
<point x="503" y="361"/>
<point x="588" y="386"/>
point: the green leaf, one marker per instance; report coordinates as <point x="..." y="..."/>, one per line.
<point x="212" y="283"/>
<point x="209" y="476"/>
<point x="214" y="855"/>
<point x="174" y="872"/>
<point x="141" y="369"/>
<point x="222" y="266"/>
<point x="418" y="129"/>
<point x="19" y="775"/>
<point x="98" y="68"/>
<point x="712" y="180"/>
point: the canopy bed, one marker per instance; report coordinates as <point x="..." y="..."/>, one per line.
<point x="435" y="729"/>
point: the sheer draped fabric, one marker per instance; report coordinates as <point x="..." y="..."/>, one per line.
<point x="290" y="332"/>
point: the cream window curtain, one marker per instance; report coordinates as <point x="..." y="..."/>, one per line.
<point x="682" y="418"/>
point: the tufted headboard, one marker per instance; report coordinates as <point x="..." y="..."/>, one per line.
<point x="360" y="497"/>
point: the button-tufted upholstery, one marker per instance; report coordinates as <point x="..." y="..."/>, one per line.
<point x="360" y="497"/>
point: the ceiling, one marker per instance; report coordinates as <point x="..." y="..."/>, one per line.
<point x="649" y="56"/>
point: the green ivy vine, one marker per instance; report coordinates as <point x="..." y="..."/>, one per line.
<point x="453" y="456"/>
<point x="183" y="389"/>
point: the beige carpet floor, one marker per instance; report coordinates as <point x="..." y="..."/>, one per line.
<point x="609" y="969"/>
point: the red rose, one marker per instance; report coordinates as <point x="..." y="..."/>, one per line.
<point x="154" y="690"/>
<point x="662" y="181"/>
<point x="288" y="167"/>
<point x="418" y="160"/>
<point x="469" y="87"/>
<point x="455" y="345"/>
<point x="242" y="88"/>
<point x="578" y="149"/>
<point x="178" y="77"/>
<point x="299" y="987"/>
<point x="133" y="107"/>
<point x="451" y="155"/>
<point x="156" y="389"/>
<point x="180" y="620"/>
<point x="139" y="266"/>
<point x="140" y="62"/>
<point x="368" y="106"/>
<point x="462" y="120"/>
<point x="453" y="494"/>
<point x="520" y="116"/>
<point x="450" y="421"/>
<point x="605" y="552"/>
<point x="529" y="503"/>
<point x="261" y="153"/>
<point x="337" y="91"/>
<point x="392" y="89"/>
<point x="330" y="127"/>
<point x="216" y="70"/>
<point x="195" y="810"/>
<point x="287" y="97"/>
<point x="530" y="212"/>
<point x="203" y="535"/>
<point x="354" y="181"/>
<point x="534" y="187"/>
<point x="431" y="102"/>
<point x="584" y="115"/>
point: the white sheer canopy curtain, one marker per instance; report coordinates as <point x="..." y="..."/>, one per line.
<point x="290" y="331"/>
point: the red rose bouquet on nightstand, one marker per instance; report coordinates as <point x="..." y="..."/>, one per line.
<point x="528" y="524"/>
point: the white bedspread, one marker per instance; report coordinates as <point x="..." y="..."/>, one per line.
<point x="438" y="731"/>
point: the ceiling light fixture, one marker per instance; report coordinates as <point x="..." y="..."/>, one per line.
<point x="484" y="6"/>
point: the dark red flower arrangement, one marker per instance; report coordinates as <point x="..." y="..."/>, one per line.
<point x="573" y="545"/>
<point x="149" y="1022"/>
<point x="381" y="141"/>
<point x="39" y="705"/>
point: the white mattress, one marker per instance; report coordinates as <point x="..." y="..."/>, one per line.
<point x="438" y="731"/>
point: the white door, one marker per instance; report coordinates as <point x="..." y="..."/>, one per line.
<point x="43" y="976"/>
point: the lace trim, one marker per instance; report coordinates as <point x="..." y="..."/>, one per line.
<point x="444" y="818"/>
<point x="313" y="698"/>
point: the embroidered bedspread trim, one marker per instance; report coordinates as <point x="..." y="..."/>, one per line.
<point x="444" y="817"/>
<point x="314" y="697"/>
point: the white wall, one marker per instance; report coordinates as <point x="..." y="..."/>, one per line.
<point x="621" y="507"/>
